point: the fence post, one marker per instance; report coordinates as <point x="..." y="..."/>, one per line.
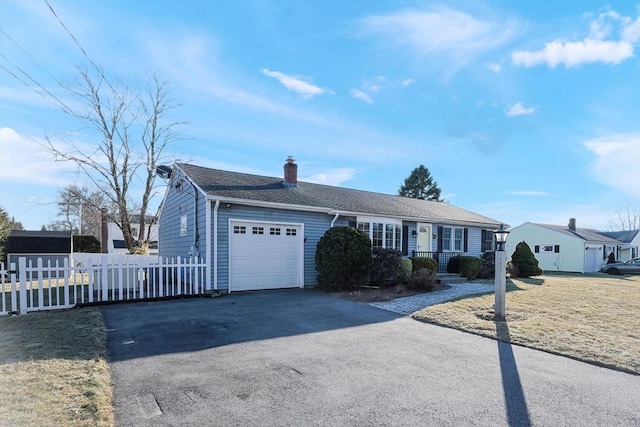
<point x="14" y="294"/>
<point x="105" y="279"/>
<point x="22" y="266"/>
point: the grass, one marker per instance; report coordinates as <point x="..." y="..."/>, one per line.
<point x="53" y="370"/>
<point x="592" y="318"/>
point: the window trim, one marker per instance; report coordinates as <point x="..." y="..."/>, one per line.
<point x="371" y="225"/>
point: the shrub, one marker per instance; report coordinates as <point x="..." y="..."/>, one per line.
<point x="512" y="269"/>
<point x="422" y="279"/>
<point x="422" y="262"/>
<point x="404" y="270"/>
<point x="526" y="262"/>
<point x="488" y="269"/>
<point x="470" y="266"/>
<point x="453" y="266"/>
<point x="343" y="259"/>
<point x="385" y="265"/>
<point x="87" y="244"/>
<point x="611" y="259"/>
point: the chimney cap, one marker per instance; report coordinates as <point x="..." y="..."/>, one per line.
<point x="290" y="159"/>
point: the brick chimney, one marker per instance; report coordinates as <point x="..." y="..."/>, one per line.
<point x="290" y="173"/>
<point x="572" y="224"/>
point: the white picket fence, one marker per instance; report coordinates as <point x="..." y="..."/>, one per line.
<point x="38" y="287"/>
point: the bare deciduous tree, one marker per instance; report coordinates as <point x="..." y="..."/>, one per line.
<point x="131" y="133"/>
<point x="79" y="210"/>
<point x="627" y="217"/>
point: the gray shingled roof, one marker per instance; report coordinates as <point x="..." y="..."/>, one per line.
<point x="234" y="185"/>
<point x="623" y="236"/>
<point x="581" y="233"/>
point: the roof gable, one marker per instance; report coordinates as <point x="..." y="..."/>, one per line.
<point x="220" y="184"/>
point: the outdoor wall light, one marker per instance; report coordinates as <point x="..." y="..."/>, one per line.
<point x="501" y="237"/>
<point x="434" y="235"/>
<point x="227" y="206"/>
<point x="414" y="233"/>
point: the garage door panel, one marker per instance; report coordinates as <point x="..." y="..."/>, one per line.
<point x="270" y="260"/>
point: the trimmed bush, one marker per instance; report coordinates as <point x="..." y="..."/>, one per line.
<point x="422" y="279"/>
<point x="343" y="259"/>
<point x="611" y="259"/>
<point x="526" y="262"/>
<point x="488" y="269"/>
<point x="470" y="266"/>
<point x="453" y="266"/>
<point x="422" y="262"/>
<point x="405" y="268"/>
<point x="87" y="244"/>
<point x="385" y="265"/>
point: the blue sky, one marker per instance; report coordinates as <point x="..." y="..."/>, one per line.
<point x="522" y="111"/>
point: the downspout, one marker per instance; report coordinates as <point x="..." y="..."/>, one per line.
<point x="335" y="218"/>
<point x="215" y="246"/>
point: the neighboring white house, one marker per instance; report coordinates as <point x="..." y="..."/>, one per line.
<point x="563" y="248"/>
<point x="116" y="243"/>
<point x="629" y="241"/>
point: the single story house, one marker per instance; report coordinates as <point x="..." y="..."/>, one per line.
<point x="629" y="242"/>
<point x="259" y="232"/>
<point x="563" y="248"/>
<point x="115" y="238"/>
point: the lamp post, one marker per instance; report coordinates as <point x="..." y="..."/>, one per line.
<point x="500" y="274"/>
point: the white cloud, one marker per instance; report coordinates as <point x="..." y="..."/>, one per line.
<point x="358" y="94"/>
<point x="496" y="68"/>
<point x="407" y="82"/>
<point x="533" y="193"/>
<point x="598" y="46"/>
<point x="444" y="36"/>
<point x="24" y="160"/>
<point x="296" y="84"/>
<point x="616" y="161"/>
<point x="332" y="176"/>
<point x="519" y="110"/>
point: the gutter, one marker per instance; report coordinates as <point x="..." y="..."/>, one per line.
<point x="215" y="245"/>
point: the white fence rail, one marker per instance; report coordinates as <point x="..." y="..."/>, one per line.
<point x="52" y="286"/>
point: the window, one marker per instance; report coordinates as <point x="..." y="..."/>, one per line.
<point x="388" y="235"/>
<point x="274" y="231"/>
<point x="446" y="238"/>
<point x="183" y="225"/>
<point x="457" y="240"/>
<point x="258" y="230"/>
<point x="376" y="238"/>
<point x="547" y="248"/>
<point x="134" y="232"/>
<point x="384" y="233"/>
<point x="487" y="240"/>
<point x="239" y="229"/>
<point x="292" y="232"/>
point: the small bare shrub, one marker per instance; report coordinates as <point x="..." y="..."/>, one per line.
<point x="422" y="279"/>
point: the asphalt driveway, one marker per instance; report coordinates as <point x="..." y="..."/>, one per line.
<point x="301" y="358"/>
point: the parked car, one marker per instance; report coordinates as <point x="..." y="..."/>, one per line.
<point x="628" y="267"/>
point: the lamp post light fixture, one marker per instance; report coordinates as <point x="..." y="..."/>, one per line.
<point x="500" y="273"/>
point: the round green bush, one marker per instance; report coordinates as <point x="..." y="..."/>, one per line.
<point x="404" y="270"/>
<point x="343" y="259"/>
<point x="470" y="266"/>
<point x="524" y="261"/>
<point x="424" y="263"/>
<point x="453" y="266"/>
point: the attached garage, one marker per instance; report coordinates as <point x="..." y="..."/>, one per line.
<point x="265" y="255"/>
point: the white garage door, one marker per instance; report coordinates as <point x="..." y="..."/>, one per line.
<point x="264" y="256"/>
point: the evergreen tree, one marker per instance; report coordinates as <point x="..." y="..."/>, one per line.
<point x="525" y="261"/>
<point x="420" y="185"/>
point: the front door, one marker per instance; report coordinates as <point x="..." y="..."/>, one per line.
<point x="423" y="243"/>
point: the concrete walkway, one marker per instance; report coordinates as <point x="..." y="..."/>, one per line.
<point x="409" y="305"/>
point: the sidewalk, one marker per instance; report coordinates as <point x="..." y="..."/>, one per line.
<point x="409" y="305"/>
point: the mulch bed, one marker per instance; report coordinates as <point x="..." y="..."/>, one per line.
<point x="368" y="294"/>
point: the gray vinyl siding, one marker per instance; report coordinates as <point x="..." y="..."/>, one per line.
<point x="315" y="225"/>
<point x="176" y="204"/>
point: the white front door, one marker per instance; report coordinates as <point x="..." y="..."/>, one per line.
<point x="424" y="237"/>
<point x="265" y="255"/>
